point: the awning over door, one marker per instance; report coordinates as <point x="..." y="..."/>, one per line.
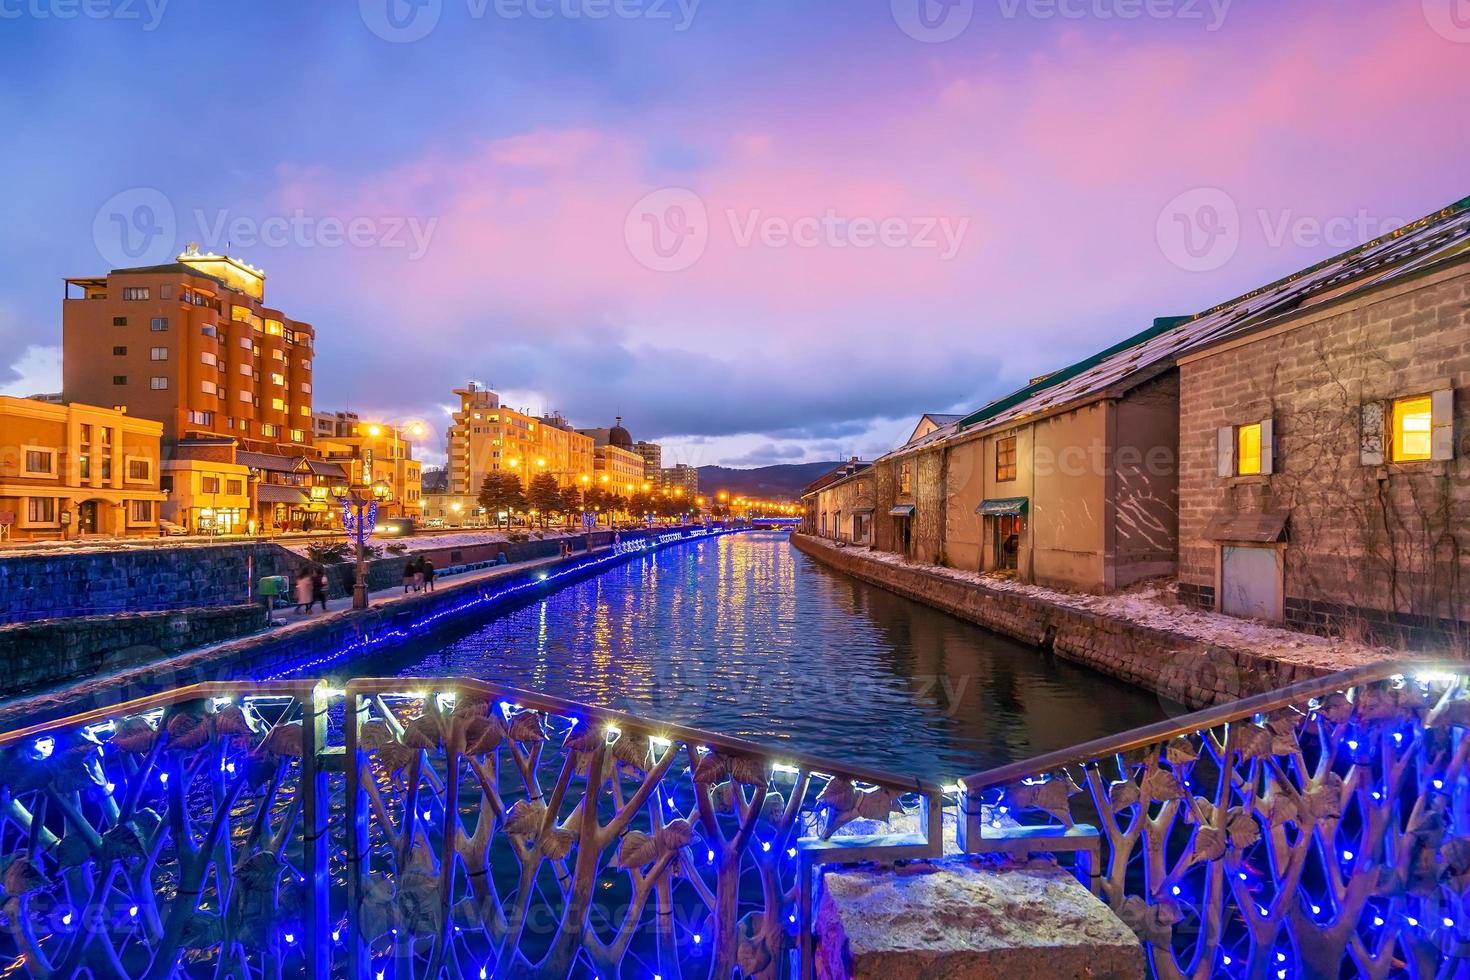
<point x="1250" y="528"/>
<point x="902" y="510"/>
<point x="1003" y="507"/>
<point x="862" y="510"/>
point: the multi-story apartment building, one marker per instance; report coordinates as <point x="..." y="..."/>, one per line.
<point x="487" y="437"/>
<point x="653" y="460"/>
<point x="334" y="425"/>
<point x="681" y="478"/>
<point x="193" y="345"/>
<point x="71" y="470"/>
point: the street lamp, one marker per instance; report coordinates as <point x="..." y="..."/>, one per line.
<point x="359" y="517"/>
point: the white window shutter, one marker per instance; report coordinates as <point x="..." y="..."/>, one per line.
<point x="1268" y="446"/>
<point x="1226" y="444"/>
<point x="1442" y="431"/>
<point x="1370" y="434"/>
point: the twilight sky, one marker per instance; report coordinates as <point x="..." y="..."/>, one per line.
<point x="760" y="230"/>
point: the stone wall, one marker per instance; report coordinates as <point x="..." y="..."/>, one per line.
<point x="312" y="643"/>
<point x="1192" y="672"/>
<point x="174" y="576"/>
<point x="44" y="653"/>
<point x="1368" y="545"/>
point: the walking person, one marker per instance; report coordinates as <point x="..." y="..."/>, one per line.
<point x="427" y="566"/>
<point x="319" y="587"/>
<point x="304" y="586"/>
<point x="419" y="575"/>
<point x="409" y="568"/>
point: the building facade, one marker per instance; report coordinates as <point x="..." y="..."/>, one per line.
<point x="681" y="479"/>
<point x="486" y="437"/>
<point x="373" y="453"/>
<point x="70" y="471"/>
<point x="653" y="460"/>
<point x="1325" y="470"/>
<point x="193" y="345"/>
<point x="208" y="491"/>
<point x="841" y="505"/>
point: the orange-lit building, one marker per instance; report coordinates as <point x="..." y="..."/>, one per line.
<point x="69" y="471"/>
<point x="619" y="467"/>
<point x="487" y="437"/>
<point x="193" y="345"/>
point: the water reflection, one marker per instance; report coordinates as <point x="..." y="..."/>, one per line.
<point x="746" y="636"/>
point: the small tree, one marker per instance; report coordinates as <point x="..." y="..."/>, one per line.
<point x="501" y="492"/>
<point x="571" y="501"/>
<point x="544" y="495"/>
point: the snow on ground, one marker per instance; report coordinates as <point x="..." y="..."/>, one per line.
<point x="458" y="539"/>
<point x="1154" y="604"/>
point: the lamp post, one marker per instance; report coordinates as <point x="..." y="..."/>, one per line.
<point x="359" y="516"/>
<point x="415" y="429"/>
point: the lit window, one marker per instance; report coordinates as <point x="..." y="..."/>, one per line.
<point x="278" y="405"/>
<point x="208" y="387"/>
<point x="41" y="510"/>
<point x="135" y="292"/>
<point x="1413" y="421"/>
<point x="1248" y="449"/>
<point x="158" y="354"/>
<point x="158" y="383"/>
<point x="205" y="357"/>
<point x="142" y="511"/>
<point x="1005" y="460"/>
<point x="278" y="379"/>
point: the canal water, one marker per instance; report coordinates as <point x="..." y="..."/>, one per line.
<point x="744" y="635"/>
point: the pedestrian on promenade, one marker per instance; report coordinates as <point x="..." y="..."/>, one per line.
<point x="427" y="565"/>
<point x="420" y="576"/>
<point x="305" y="584"/>
<point x="319" y="587"/>
<point x="409" y="569"/>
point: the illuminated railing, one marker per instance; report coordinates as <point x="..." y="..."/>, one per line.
<point x="1319" y="831"/>
<point x="420" y="828"/>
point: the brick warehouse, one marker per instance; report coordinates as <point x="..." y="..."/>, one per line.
<point x="1323" y="454"/>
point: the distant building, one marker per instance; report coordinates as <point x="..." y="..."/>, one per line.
<point x="680" y="478"/>
<point x="487" y="437"/>
<point x="618" y="466"/>
<point x="77" y="470"/>
<point x="840" y="505"/>
<point x="193" y="345"/>
<point x="334" y="425"/>
<point x="653" y="460"/>
<point x="370" y="454"/>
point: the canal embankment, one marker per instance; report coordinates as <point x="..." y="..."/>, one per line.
<point x="1189" y="656"/>
<point x="121" y="673"/>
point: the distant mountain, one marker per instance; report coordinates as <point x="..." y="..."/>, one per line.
<point x="781" y="482"/>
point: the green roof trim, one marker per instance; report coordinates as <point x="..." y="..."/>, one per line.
<point x="1161" y="325"/>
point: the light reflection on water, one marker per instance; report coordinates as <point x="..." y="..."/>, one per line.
<point x="746" y="636"/>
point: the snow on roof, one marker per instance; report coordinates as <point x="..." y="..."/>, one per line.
<point x="1439" y="237"/>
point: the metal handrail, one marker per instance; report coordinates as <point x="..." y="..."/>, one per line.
<point x="417" y="686"/>
<point x="207" y="689"/>
<point x="1198" y="721"/>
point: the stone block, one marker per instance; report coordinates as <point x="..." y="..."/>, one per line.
<point x="969" y="918"/>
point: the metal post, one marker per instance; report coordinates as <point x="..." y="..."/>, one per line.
<point x="359" y="588"/>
